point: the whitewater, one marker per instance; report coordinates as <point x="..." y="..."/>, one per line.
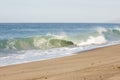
<point x="27" y="42"/>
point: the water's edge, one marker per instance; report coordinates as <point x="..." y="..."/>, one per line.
<point x="79" y="52"/>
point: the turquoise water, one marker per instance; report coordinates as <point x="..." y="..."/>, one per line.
<point x="25" y="42"/>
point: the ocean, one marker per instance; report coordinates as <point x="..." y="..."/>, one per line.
<point x="27" y="42"/>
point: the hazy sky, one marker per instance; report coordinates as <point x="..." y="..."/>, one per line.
<point x="59" y="10"/>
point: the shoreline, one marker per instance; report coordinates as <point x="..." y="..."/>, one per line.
<point x="79" y="52"/>
<point x="97" y="64"/>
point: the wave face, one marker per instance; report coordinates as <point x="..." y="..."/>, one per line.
<point x="42" y="42"/>
<point x="28" y="42"/>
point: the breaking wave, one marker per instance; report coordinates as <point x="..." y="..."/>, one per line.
<point x="99" y="36"/>
<point x="43" y="42"/>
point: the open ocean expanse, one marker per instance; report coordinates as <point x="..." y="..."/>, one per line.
<point x="26" y="42"/>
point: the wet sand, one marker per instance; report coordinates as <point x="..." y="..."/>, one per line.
<point x="98" y="64"/>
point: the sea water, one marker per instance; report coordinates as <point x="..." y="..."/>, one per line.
<point x="26" y="42"/>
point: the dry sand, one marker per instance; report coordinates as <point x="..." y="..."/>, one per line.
<point x="98" y="64"/>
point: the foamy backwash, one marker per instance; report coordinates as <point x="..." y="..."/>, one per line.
<point x="30" y="42"/>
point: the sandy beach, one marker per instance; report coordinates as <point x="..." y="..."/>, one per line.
<point x="98" y="64"/>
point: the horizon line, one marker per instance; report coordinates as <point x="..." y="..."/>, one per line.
<point x="63" y="22"/>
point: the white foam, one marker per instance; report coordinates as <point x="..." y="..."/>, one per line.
<point x="117" y="28"/>
<point x="93" y="40"/>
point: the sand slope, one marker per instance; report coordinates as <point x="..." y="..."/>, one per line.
<point x="98" y="64"/>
